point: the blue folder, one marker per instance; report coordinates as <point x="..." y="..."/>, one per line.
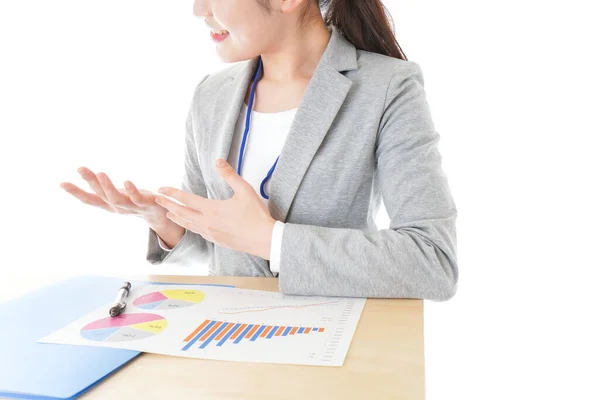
<point x="31" y="370"/>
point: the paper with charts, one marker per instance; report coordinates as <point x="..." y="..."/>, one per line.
<point x="223" y="323"/>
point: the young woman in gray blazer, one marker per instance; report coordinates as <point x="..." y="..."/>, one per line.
<point x="361" y="133"/>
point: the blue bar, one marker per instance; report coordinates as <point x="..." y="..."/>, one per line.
<point x="235" y="327"/>
<point x="258" y="332"/>
<point x="239" y="338"/>
<point x="286" y="331"/>
<point x="215" y="333"/>
<point x="315" y="329"/>
<point x="300" y="330"/>
<point x="275" y="328"/>
<point x="199" y="335"/>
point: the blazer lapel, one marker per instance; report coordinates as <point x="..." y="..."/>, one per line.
<point x="320" y="104"/>
<point x="227" y="106"/>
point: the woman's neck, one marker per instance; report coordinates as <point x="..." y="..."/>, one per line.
<point x="296" y="57"/>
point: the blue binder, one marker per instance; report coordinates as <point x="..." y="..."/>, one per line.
<point x="31" y="370"/>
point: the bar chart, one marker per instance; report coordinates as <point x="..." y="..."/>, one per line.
<point x="255" y="326"/>
<point x="222" y="332"/>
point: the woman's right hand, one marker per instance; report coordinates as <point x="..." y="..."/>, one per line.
<point x="128" y="200"/>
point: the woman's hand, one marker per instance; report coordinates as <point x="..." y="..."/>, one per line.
<point x="128" y="200"/>
<point x="242" y="223"/>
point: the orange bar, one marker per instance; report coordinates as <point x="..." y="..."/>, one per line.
<point x="198" y="329"/>
<point x="266" y="331"/>
<point x="321" y="329"/>
<point x="251" y="331"/>
<point x="293" y="331"/>
<point x="237" y="333"/>
<point x="224" y="331"/>
<point x="210" y="331"/>
<point x="307" y="330"/>
<point x="281" y="328"/>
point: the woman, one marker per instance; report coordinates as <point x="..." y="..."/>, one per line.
<point x="322" y="118"/>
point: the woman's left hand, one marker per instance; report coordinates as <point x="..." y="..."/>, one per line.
<point x="242" y="223"/>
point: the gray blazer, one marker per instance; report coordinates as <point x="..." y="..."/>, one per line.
<point x="363" y="133"/>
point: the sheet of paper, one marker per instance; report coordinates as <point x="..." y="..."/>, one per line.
<point x="223" y="324"/>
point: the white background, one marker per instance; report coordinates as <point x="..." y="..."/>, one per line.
<point x="513" y="89"/>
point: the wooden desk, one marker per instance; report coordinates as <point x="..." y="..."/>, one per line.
<point x="385" y="361"/>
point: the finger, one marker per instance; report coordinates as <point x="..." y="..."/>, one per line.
<point x="193" y="226"/>
<point x="90" y="177"/>
<point x="189" y="199"/>
<point x="136" y="196"/>
<point x="114" y="196"/>
<point x="85" y="197"/>
<point x="178" y="209"/>
<point x="236" y="182"/>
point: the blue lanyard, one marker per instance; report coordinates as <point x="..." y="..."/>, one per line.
<point x="239" y="168"/>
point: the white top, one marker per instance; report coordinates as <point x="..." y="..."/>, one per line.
<point x="264" y="142"/>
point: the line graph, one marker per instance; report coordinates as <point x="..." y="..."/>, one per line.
<point x="243" y="310"/>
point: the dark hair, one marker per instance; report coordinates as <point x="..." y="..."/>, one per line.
<point x="364" y="23"/>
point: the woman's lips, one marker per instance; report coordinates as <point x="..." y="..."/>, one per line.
<point x="218" y="37"/>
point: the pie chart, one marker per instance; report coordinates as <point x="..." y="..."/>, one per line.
<point x="169" y="299"/>
<point x="124" y="328"/>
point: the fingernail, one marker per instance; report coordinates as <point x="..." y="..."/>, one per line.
<point x="220" y="162"/>
<point x="162" y="190"/>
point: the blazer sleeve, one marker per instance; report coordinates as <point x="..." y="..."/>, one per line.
<point x="416" y="257"/>
<point x="192" y="248"/>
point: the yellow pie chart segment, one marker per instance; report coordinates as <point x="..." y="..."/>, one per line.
<point x="154" y="326"/>
<point x="192" y="296"/>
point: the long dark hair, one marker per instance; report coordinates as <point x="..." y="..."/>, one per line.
<point x="366" y="24"/>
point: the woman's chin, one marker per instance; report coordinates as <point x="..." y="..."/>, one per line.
<point x="227" y="57"/>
